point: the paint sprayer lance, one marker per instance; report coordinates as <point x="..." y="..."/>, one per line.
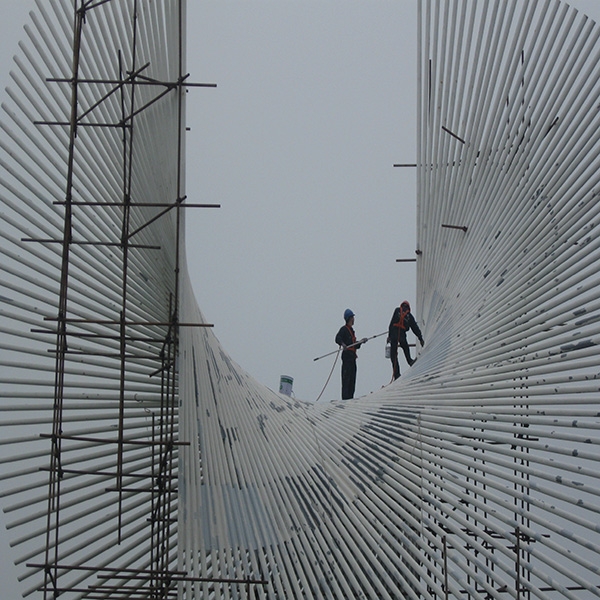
<point x="352" y="345"/>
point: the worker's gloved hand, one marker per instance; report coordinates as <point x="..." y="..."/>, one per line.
<point x="363" y="341"/>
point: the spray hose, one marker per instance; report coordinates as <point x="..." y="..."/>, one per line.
<point x="330" y="374"/>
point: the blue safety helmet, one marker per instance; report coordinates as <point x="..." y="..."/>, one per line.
<point x="348" y="314"/>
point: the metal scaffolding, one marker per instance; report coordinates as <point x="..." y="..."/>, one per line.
<point x="155" y="480"/>
<point x="119" y="336"/>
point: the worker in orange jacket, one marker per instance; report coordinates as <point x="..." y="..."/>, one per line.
<point x="402" y="321"/>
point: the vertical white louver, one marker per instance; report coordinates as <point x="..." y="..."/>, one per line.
<point x="90" y="194"/>
<point x="473" y="476"/>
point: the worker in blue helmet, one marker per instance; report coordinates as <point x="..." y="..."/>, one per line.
<point x="346" y="339"/>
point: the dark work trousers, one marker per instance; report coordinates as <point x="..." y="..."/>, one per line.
<point x="403" y="343"/>
<point x="348" y="378"/>
<point x="394" y="359"/>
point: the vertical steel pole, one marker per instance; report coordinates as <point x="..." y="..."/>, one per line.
<point x="55" y="475"/>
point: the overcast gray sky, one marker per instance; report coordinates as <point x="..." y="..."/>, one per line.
<point x="315" y="103"/>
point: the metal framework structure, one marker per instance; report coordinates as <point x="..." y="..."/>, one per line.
<point x="138" y="461"/>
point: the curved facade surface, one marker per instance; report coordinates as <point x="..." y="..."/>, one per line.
<point x="140" y="461"/>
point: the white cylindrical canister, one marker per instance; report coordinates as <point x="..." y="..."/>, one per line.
<point x="285" y="385"/>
